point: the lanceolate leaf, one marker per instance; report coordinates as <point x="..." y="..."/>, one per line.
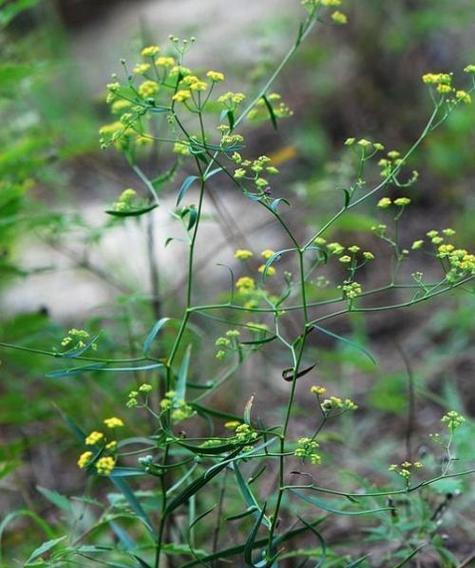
<point x="153" y="334"/>
<point x="348" y="342"/>
<point x="132" y="212"/>
<point x="185" y="186"/>
<point x="270" y="109"/>
<point x="183" y="375"/>
<point x="331" y="507"/>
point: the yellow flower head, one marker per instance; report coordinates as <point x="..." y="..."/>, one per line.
<point x="215" y="76"/>
<point x="84" y="459"/>
<point x="339" y="18"/>
<point x="93" y="438"/>
<point x="245" y="284"/>
<point x="267" y="253"/>
<point x="318" y="390"/>
<point x="150" y="51"/>
<point x="182" y="95"/>
<point x="105" y="465"/>
<point x="165" y="61"/>
<point x="141" y="68"/>
<point x="384" y="202"/>
<point x="243" y="254"/>
<point x="148" y="89"/>
<point x="113" y="422"/>
<point x="269" y="272"/>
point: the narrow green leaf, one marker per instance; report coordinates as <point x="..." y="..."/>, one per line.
<point x="56" y="498"/>
<point x="288" y="374"/>
<point x="275" y="204"/>
<point x="166" y="176"/>
<point x="200" y="482"/>
<point x="270" y="109"/>
<point x="185" y="186"/>
<point x="248" y="547"/>
<point x="330" y="508"/>
<point x="153" y="334"/>
<point x="183" y="375"/>
<point x="74" y="371"/>
<point x="132" y="212"/>
<point x="132" y="500"/>
<point x="347" y="341"/>
<point x="247" y="494"/>
<point x="45" y="547"/>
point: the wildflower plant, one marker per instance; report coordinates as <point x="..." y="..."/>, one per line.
<point x="196" y="457"/>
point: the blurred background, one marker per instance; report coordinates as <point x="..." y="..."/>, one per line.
<point x="63" y="264"/>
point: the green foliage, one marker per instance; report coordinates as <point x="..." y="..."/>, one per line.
<point x="195" y="483"/>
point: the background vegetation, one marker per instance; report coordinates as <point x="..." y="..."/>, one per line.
<point x="64" y="264"/>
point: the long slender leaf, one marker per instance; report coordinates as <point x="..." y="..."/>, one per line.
<point x="183" y="375"/>
<point x="153" y="334"/>
<point x="347" y="341"/>
<point x="185" y="186"/>
<point x="251" y="539"/>
<point x="330" y="508"/>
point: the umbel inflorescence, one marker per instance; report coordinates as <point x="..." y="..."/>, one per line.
<point x="160" y="102"/>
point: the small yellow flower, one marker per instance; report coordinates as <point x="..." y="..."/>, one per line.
<point x="339" y="18"/>
<point x="345" y="259"/>
<point x="150" y="51"/>
<point x="463" y="97"/>
<point x="444" y="89"/>
<point x="267" y="253"/>
<point x="105" y="465"/>
<point x="318" y="390"/>
<point x="331" y="2"/>
<point x="114" y="422"/>
<point x="182" y="95"/>
<point x="417" y="244"/>
<point x="245" y="284"/>
<point x="243" y="254"/>
<point x="141" y="68"/>
<point x="145" y="387"/>
<point x="93" y="438"/>
<point x="148" y="89"/>
<point x="84" y="459"/>
<point x="402" y="201"/>
<point x="165" y="61"/>
<point x="271" y="271"/>
<point x="215" y="76"/>
<point x="111" y="445"/>
<point x="384" y="203"/>
<point x="199" y="86"/>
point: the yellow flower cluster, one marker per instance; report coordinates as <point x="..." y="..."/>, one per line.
<point x="150" y="51"/>
<point x="336" y="403"/>
<point x="182" y="95"/>
<point x="105" y="465"/>
<point x="245" y="284"/>
<point x="165" y="61"/>
<point x="405" y="469"/>
<point x="279" y="108"/>
<point x="84" y="459"/>
<point x="148" y="89"/>
<point x="231" y="100"/>
<point x="453" y="420"/>
<point x="443" y="85"/>
<point x="306" y="448"/>
<point x="243" y="254"/>
<point x="77" y="338"/>
<point x="93" y="438"/>
<point x="179" y="409"/>
<point x="215" y="76"/>
<point x="113" y="422"/>
<point x="125" y="201"/>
